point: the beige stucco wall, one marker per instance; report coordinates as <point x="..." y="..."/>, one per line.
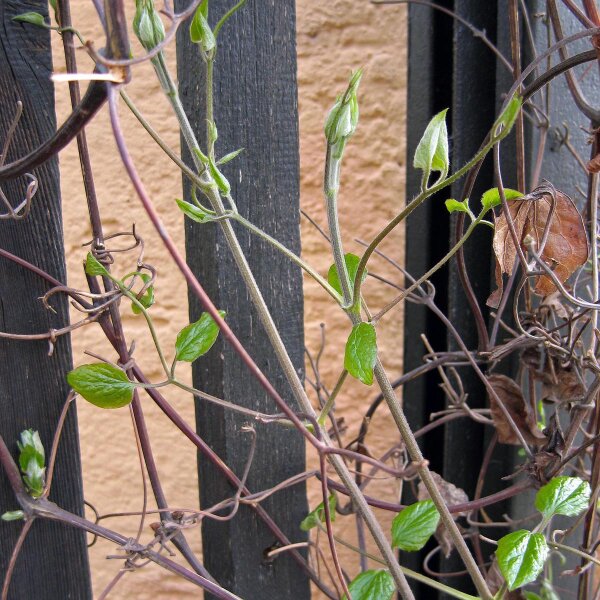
<point x="333" y="38"/>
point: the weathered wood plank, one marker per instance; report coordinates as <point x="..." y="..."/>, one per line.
<point x="53" y="563"/>
<point x="255" y="108"/>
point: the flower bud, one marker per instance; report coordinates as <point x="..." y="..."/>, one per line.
<point x="343" y="118"/>
<point x="147" y="24"/>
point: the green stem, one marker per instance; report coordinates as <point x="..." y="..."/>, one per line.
<point x="579" y="553"/>
<point x="433" y="269"/>
<point x="293" y="257"/>
<point x="414" y="204"/>
<point x="390" y="396"/>
<point x="291" y="375"/>
<point x="408" y="572"/>
<point x="330" y="401"/>
<point x="333" y="165"/>
<point x="149" y="322"/>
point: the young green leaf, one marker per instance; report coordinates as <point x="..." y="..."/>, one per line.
<point x="316" y="516"/>
<point x="220" y="179"/>
<point x="413" y="526"/>
<point x="509" y="116"/>
<point x="192" y="211"/>
<point x="491" y="198"/>
<point x="372" y="585"/>
<point x="432" y="151"/>
<point x="93" y="266"/>
<point x="200" y="31"/>
<point x="197" y="338"/>
<point x="32" y="18"/>
<point x="521" y="556"/>
<point x="147" y="299"/>
<point x="32" y="461"/>
<point x="361" y="352"/>
<point x="568" y="496"/>
<point x="229" y="157"/>
<point x="102" y="385"/>
<point x="352" y="261"/>
<point x="453" y="205"/>
<point x="13" y="515"/>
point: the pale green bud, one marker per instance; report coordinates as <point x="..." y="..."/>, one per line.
<point x="147" y="24"/>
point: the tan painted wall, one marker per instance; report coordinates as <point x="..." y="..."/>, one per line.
<point x="333" y="38"/>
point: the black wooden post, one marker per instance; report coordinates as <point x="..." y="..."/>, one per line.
<point x="255" y="109"/>
<point x="54" y="562"/>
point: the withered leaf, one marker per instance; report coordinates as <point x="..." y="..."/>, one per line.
<point x="566" y="247"/>
<point x="511" y="396"/>
<point x="562" y="384"/>
<point x="452" y="495"/>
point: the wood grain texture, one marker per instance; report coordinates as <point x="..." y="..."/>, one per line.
<point x="53" y="563"/>
<point x="255" y="108"/>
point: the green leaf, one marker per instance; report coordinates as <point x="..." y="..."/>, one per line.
<point x="509" y="116"/>
<point x="491" y="198"/>
<point x="32" y="461"/>
<point x="453" y="205"/>
<point x="192" y="211"/>
<point x="93" y="266"/>
<point x="102" y="384"/>
<point x="32" y="18"/>
<point x="13" y="515"/>
<point x="432" y="151"/>
<point x="220" y="179"/>
<point x="200" y="31"/>
<point x="568" y="496"/>
<point x="229" y="157"/>
<point x="412" y="527"/>
<point x="372" y="585"/>
<point x="361" y="352"/>
<point x="521" y="557"/>
<point x="531" y="596"/>
<point x="352" y="261"/>
<point x="197" y="338"/>
<point x="30" y="440"/>
<point x="317" y="515"/>
<point x="147" y="300"/>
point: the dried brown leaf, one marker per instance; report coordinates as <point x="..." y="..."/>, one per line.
<point x="562" y="385"/>
<point x="566" y="246"/>
<point x="451" y="495"/>
<point x="511" y="397"/>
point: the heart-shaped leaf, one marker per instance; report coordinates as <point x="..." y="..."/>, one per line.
<point x="316" y="516"/>
<point x="568" y="496"/>
<point x="102" y="384"/>
<point x="413" y="526"/>
<point x="197" y="338"/>
<point x="372" y="585"/>
<point x="352" y="261"/>
<point x="361" y="352"/>
<point x="93" y="266"/>
<point x="521" y="556"/>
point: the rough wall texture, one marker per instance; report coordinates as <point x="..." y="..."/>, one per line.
<point x="333" y="39"/>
